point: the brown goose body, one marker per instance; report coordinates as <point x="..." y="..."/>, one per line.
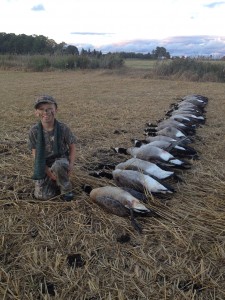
<point x="116" y="201"/>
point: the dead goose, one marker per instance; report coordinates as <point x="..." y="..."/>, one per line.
<point x="188" y="118"/>
<point x="140" y="182"/>
<point x="182" y="141"/>
<point x="150" y="139"/>
<point x="119" y="202"/>
<point x="174" y="123"/>
<point x="174" y="148"/>
<point x="186" y="104"/>
<point x="197" y="100"/>
<point x="109" y="195"/>
<point x="147" y="167"/>
<point x="188" y="107"/>
<point x="197" y="96"/>
<point x="188" y="129"/>
<point x="173" y="133"/>
<point x="152" y="154"/>
<point x="169" y="131"/>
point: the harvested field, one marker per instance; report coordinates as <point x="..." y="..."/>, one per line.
<point x="75" y="250"/>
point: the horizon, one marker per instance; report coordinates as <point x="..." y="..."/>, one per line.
<point x="195" y="27"/>
<point x="187" y="46"/>
<point x="177" y="46"/>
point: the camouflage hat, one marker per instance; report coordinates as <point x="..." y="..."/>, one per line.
<point x="44" y="99"/>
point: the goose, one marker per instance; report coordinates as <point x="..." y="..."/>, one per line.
<point x="198" y="100"/>
<point x="174" y="123"/>
<point x="173" y="133"/>
<point x="189" y="120"/>
<point x="119" y="202"/>
<point x="172" y="147"/>
<point x="148" y="168"/>
<point x="189" y="108"/>
<point x="184" y="126"/>
<point x="188" y="116"/>
<point x="188" y="103"/>
<point x="159" y="138"/>
<point x="149" y="139"/>
<point x="198" y="96"/>
<point x="194" y="104"/>
<point x="152" y="154"/>
<point x="182" y="141"/>
<point x="179" y="125"/>
<point x="102" y="195"/>
<point x="140" y="182"/>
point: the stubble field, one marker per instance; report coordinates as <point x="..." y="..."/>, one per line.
<point x="75" y="250"/>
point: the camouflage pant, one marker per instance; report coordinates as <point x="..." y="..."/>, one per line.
<point x="47" y="188"/>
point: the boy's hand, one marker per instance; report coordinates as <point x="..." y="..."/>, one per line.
<point x="50" y="174"/>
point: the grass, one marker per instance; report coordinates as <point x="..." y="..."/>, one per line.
<point x="140" y="63"/>
<point x="180" y="256"/>
<point x="179" y="69"/>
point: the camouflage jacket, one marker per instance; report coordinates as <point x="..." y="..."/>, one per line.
<point x="68" y="138"/>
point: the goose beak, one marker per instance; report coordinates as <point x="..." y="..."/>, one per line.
<point x="140" y="208"/>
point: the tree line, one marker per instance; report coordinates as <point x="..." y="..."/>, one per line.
<point x="158" y="53"/>
<point x="23" y="44"/>
<point x="11" y="43"/>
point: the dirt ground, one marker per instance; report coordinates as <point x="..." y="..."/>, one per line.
<point x="75" y="250"/>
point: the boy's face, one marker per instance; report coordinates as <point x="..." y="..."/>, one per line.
<point x="46" y="112"/>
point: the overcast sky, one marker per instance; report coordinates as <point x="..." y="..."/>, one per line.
<point x="130" y="24"/>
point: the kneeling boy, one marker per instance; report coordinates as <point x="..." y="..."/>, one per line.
<point x="53" y="146"/>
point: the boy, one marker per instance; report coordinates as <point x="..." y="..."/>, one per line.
<point x="53" y="147"/>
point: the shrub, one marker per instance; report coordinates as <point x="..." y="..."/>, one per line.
<point x="111" y="61"/>
<point x="38" y="63"/>
<point x="82" y="62"/>
<point x="94" y="63"/>
<point x="10" y="61"/>
<point x="191" y="69"/>
<point x="59" y="62"/>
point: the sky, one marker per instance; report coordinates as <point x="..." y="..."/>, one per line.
<point x="183" y="27"/>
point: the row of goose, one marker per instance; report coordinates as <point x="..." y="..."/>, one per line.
<point x="154" y="159"/>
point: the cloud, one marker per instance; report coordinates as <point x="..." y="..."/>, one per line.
<point x="38" y="7"/>
<point x="138" y="46"/>
<point x="177" y="46"/>
<point x="214" y="4"/>
<point x="91" y="33"/>
<point x="196" y="45"/>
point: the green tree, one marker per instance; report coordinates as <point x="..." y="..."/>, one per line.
<point x="160" y="52"/>
<point x="71" y="50"/>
